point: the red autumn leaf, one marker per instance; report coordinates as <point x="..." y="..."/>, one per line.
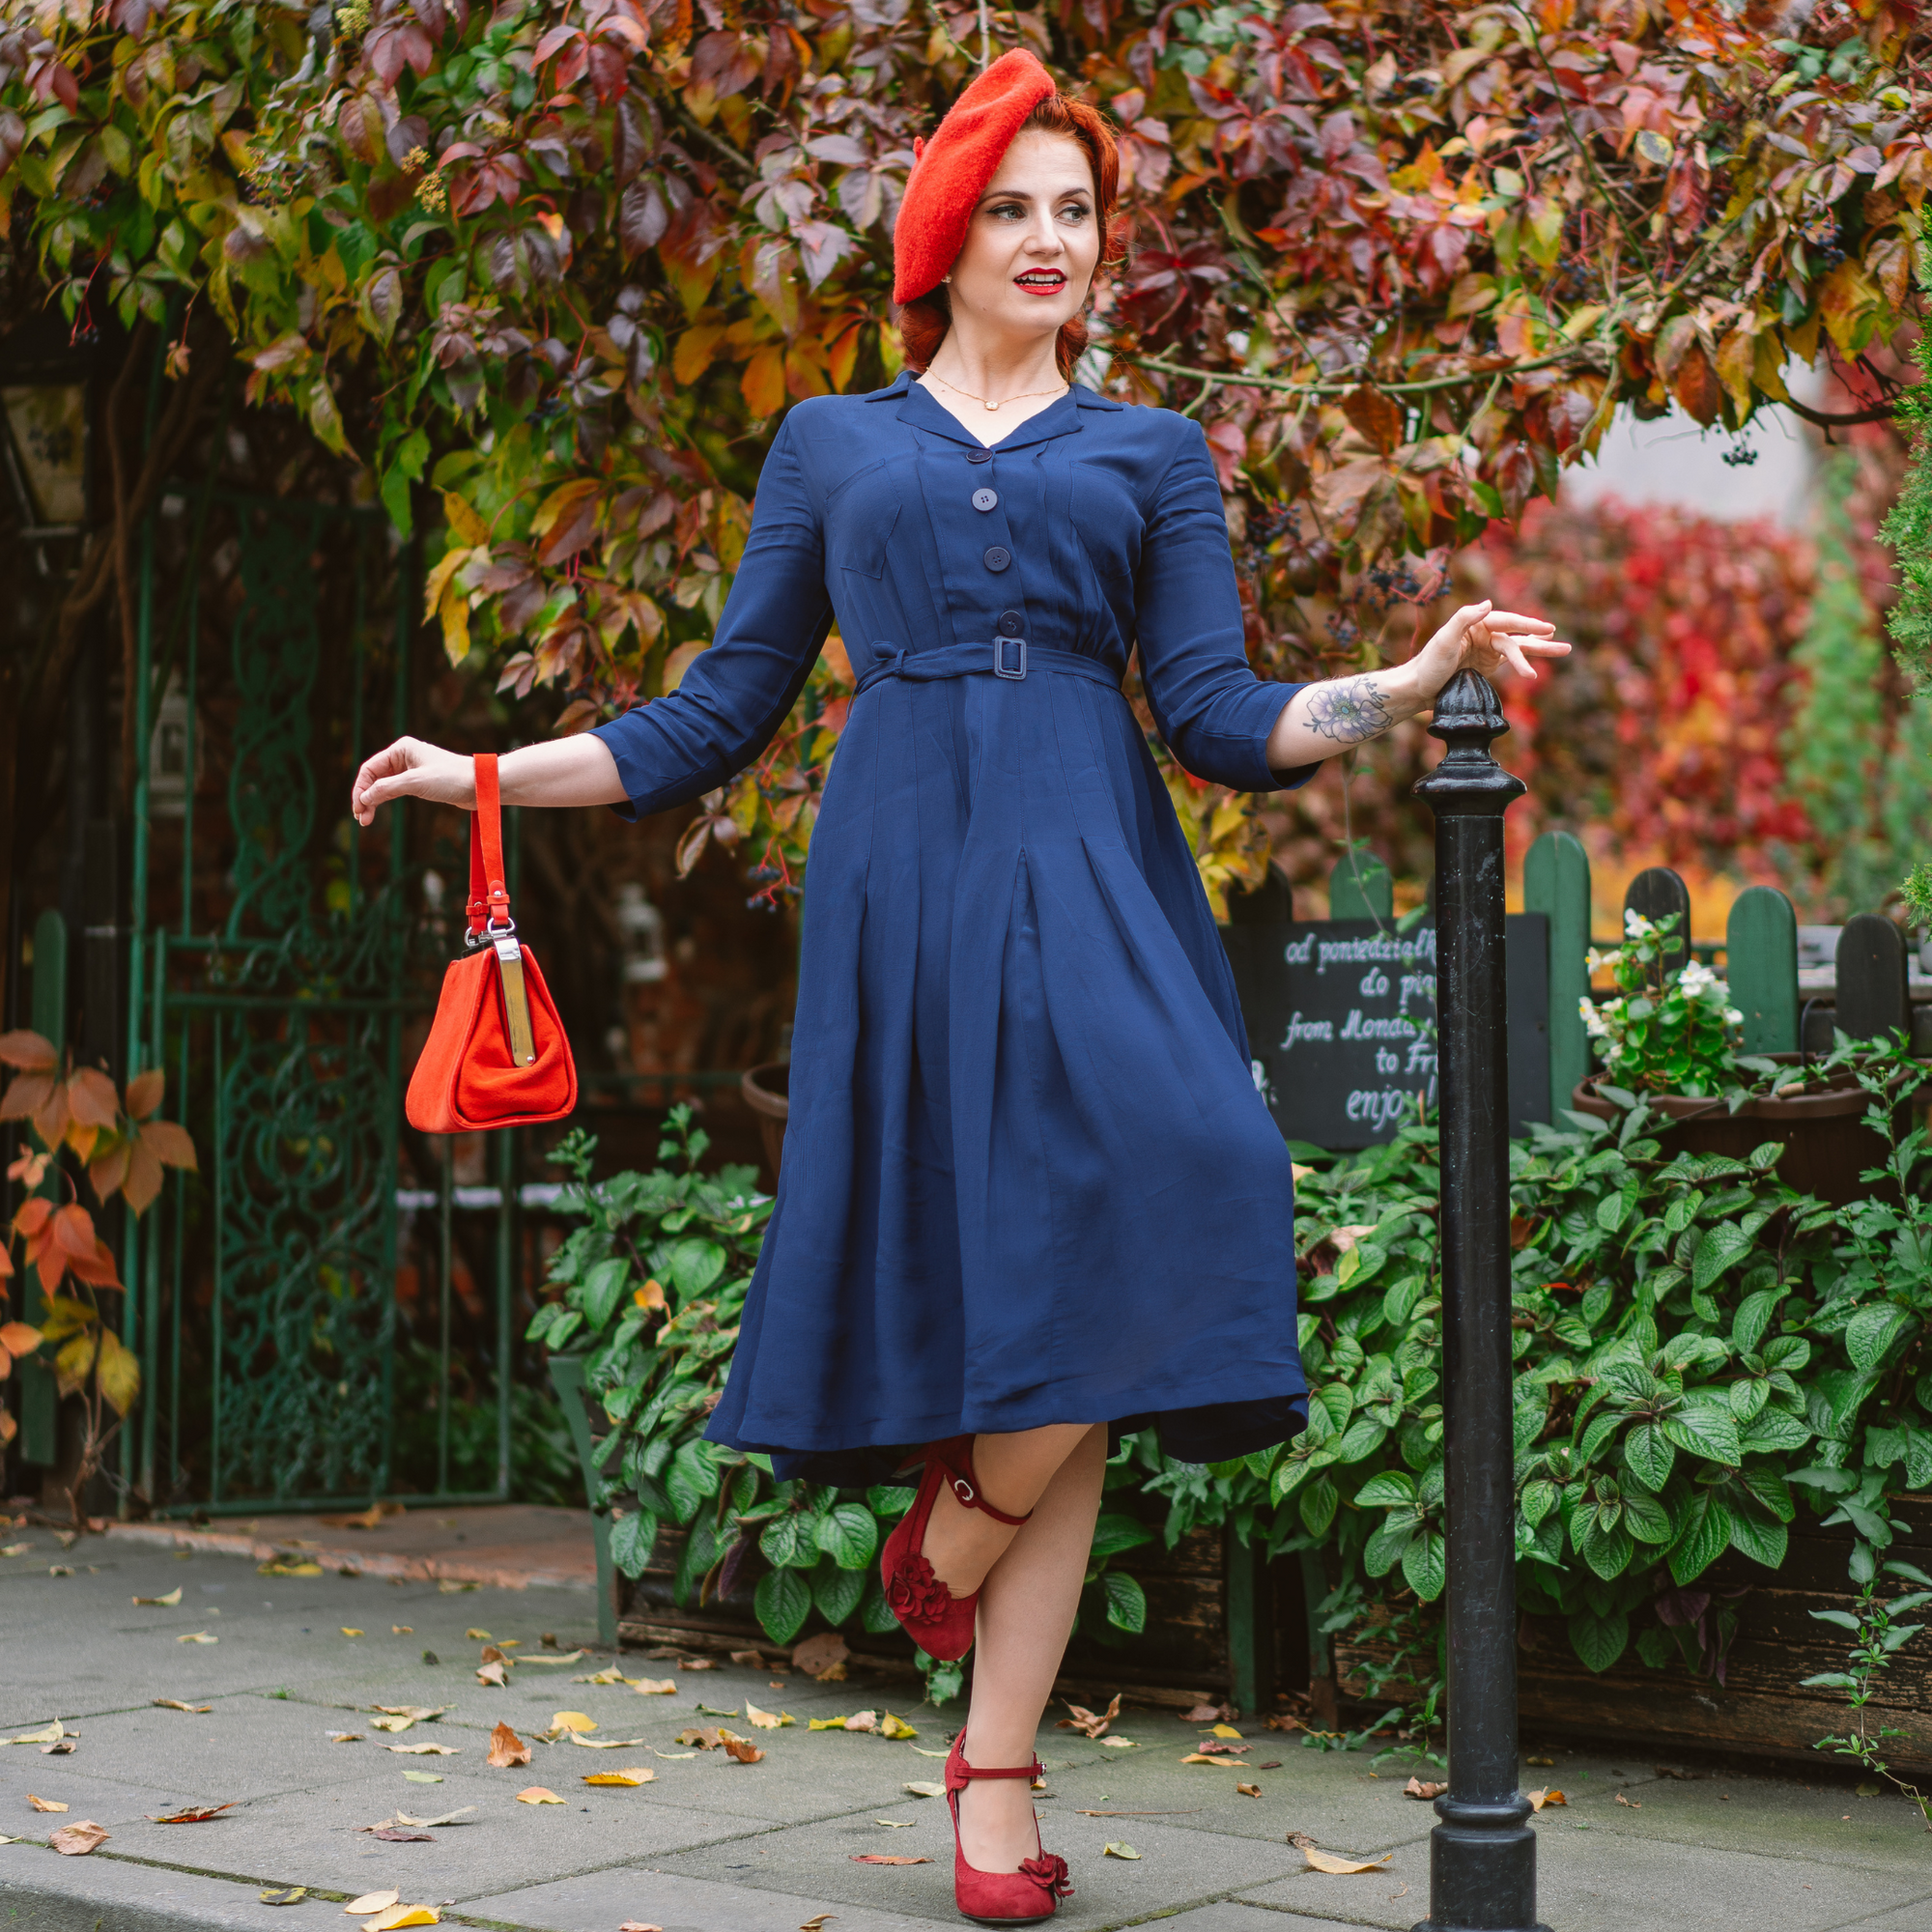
<point x="29" y="1051"/>
<point x="26" y="1095"/>
<point x="170" y="1144"/>
<point x="144" y="1093"/>
<point x="93" y="1097"/>
<point x="73" y="1232"/>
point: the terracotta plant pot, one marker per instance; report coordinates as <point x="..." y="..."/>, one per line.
<point x="1826" y="1140"/>
<point x="765" y="1089"/>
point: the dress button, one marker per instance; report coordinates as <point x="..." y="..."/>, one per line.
<point x="979" y="456"/>
<point x="997" y="558"/>
<point x="985" y="500"/>
<point x="1011" y="623"/>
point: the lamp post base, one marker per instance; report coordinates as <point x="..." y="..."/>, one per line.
<point x="1481" y="1880"/>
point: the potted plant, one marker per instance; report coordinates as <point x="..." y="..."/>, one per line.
<point x="1672" y="1039"/>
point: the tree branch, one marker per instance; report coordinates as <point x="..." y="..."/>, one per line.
<point x="1841" y="418"/>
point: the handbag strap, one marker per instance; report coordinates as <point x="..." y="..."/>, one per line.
<point x="489" y="896"/>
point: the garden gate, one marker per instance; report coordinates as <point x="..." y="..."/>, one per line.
<point x="262" y="1293"/>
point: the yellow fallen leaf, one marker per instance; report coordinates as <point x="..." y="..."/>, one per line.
<point x="1329" y="1862"/>
<point x="280" y="1566"/>
<point x="675" y="1758"/>
<point x="897" y="1823"/>
<point x="423" y="1777"/>
<point x="610" y="1674"/>
<point x="492" y="1673"/>
<point x="568" y="1657"/>
<point x="280" y="1895"/>
<point x="922" y="1788"/>
<point x="372" y="1902"/>
<point x="347" y="1631"/>
<point x="402" y="1914"/>
<point x="1117" y="1850"/>
<point x="402" y="1629"/>
<point x="1202" y="1758"/>
<point x="825" y="1723"/>
<point x="175" y="1704"/>
<point x="345" y="1737"/>
<point x="653" y="1687"/>
<point x="1120" y="1744"/>
<point x="1538" y="1799"/>
<point x="197" y="1636"/>
<point x="537" y="1795"/>
<point x="423" y="1751"/>
<point x="479" y="1636"/>
<point x="166" y="1603"/>
<point x="818" y="1919"/>
<point x="641" y="1773"/>
<point x="1226" y="1731"/>
<point x="572" y="1721"/>
<point x="890" y="1727"/>
<point x="1249" y="1790"/>
<point x="600" y="1744"/>
<point x="772" y="1721"/>
<point x="50" y="1734"/>
<point x="1546" y="1762"/>
<point x="44" y="1804"/>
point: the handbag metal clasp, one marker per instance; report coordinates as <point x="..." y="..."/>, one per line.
<point x="516" y="996"/>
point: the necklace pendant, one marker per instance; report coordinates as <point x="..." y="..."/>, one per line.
<point x="992" y="408"/>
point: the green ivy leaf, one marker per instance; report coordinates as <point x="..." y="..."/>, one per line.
<point x="1126" y="1602"/>
<point x="633" y="1538"/>
<point x="849" y="1534"/>
<point x="782" y="1601"/>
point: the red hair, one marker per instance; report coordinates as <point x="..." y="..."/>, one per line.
<point x="924" y="322"/>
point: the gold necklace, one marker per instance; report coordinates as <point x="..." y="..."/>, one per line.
<point x="1025" y="397"/>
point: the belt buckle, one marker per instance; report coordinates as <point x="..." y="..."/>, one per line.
<point x="1000" y="646"/>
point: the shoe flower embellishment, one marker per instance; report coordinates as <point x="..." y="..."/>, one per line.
<point x="916" y="1592"/>
<point x="1050" y="1869"/>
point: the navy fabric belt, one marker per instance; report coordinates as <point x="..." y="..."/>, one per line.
<point x="1010" y="658"/>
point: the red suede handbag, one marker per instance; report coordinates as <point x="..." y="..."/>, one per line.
<point x="496" y="1054"/>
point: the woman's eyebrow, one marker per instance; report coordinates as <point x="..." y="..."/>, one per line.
<point x="1026" y="194"/>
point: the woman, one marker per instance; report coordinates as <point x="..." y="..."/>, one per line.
<point x="1031" y="1198"/>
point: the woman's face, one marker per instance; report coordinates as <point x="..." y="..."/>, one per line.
<point x="1034" y="242"/>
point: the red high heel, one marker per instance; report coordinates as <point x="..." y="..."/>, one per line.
<point x="1024" y="1898"/>
<point x="940" y="1623"/>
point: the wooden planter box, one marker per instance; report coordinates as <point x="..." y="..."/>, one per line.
<point x="1760" y="1708"/>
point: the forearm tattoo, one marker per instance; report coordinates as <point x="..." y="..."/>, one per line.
<point x="1349" y="710"/>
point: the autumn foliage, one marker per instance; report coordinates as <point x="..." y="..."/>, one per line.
<point x="548" y="273"/>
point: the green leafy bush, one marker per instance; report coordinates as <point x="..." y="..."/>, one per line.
<point x="652" y="1287"/>
<point x="1666" y="1031"/>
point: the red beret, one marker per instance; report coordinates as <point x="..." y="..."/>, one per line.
<point x="950" y="171"/>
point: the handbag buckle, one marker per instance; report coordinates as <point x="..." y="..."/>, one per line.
<point x="516" y="997"/>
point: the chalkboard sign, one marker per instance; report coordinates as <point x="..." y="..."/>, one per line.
<point x="1341" y="1023"/>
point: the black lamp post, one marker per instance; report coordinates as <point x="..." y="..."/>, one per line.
<point x="1482" y="1857"/>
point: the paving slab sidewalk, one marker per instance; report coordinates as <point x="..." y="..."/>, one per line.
<point x="709" y="1845"/>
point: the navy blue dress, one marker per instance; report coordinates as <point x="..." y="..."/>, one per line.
<point x="1027" y="1177"/>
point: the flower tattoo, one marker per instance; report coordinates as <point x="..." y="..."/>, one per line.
<point x="1349" y="710"/>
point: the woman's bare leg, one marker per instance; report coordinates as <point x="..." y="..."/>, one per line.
<point x="963" y="1545"/>
<point x="1026" y="1611"/>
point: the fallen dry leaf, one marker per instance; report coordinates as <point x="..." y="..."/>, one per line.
<point x="402" y="1629"/>
<point x="897" y="1823"/>
<point x="197" y="1636"/>
<point x="391" y="1835"/>
<point x="772" y="1720"/>
<point x="1345" y="1238"/>
<point x="572" y="1721"/>
<point x="479" y="1636"/>
<point x="652" y="1687"/>
<point x="372" y="1902"/>
<point x="595" y="1744"/>
<point x="423" y="1751"/>
<point x="1090" y="1723"/>
<point x="345" y="1737"/>
<point x="812" y="1924"/>
<point x="537" y="1795"/>
<point x="429" y="1824"/>
<point x="194" y="1815"/>
<point x="76" y="1840"/>
<point x="610" y="1674"/>
<point x="175" y="1704"/>
<point x="64" y="1748"/>
<point x="507" y="1748"/>
<point x="1201" y="1757"/>
<point x="1329" y="1862"/>
<point x="925" y="1789"/>
<point x="1249" y="1790"/>
<point x="451" y="1587"/>
<point x="1546" y="1762"/>
<point x="752" y="1659"/>
<point x="705" y="1738"/>
<point x="347" y="1631"/>
<point x="281" y="1566"/>
<point x="641" y="1773"/>
<point x="819" y="1653"/>
<point x="675" y="1758"/>
<point x="638" y="1926"/>
<point x="743" y="1750"/>
<point x="402" y="1914"/>
<point x="495" y="1654"/>
<point x="166" y="1603"/>
<point x="885" y="1858"/>
<point x="1203" y="1714"/>
<point x="396" y="1719"/>
<point x="1635" y="1803"/>
<point x="1538" y="1799"/>
<point x="891" y="1726"/>
<point x="1226" y="1731"/>
<point x="492" y="1673"/>
<point x="568" y="1657"/>
<point x="283" y="1894"/>
<point x="44" y="1804"/>
<point x="1416" y="1788"/>
<point x="1117" y="1850"/>
<point x="423" y="1777"/>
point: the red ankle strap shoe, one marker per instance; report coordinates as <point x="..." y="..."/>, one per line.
<point x="940" y="1623"/>
<point x="1028" y="1896"/>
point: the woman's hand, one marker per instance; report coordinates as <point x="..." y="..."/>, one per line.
<point x="1483" y="638"/>
<point x="410" y="769"/>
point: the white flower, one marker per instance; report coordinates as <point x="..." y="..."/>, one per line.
<point x="1697" y="978"/>
<point x="1594" y="1022"/>
<point x="1734" y="1016"/>
<point x="1636" y="927"/>
<point x="1603" y="962"/>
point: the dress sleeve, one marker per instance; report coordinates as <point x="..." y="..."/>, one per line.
<point x="740" y="690"/>
<point x="1214" y="714"/>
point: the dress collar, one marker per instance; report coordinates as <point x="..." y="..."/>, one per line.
<point x="918" y="407"/>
